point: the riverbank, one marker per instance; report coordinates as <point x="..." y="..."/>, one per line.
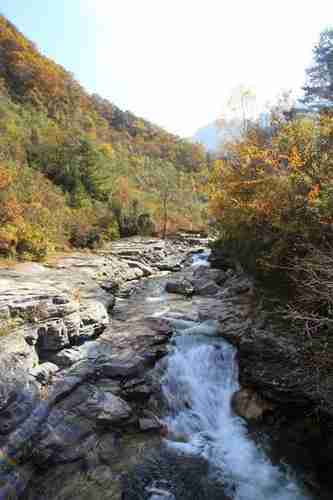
<point x="80" y="404"/>
<point x="63" y="358"/>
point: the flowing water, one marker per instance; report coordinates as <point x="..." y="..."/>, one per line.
<point x="200" y="377"/>
<point x="206" y="452"/>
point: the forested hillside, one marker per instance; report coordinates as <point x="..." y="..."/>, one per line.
<point x="75" y="170"/>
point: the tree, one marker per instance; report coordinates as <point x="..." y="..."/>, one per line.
<point x="161" y="178"/>
<point x="241" y="103"/>
<point x="319" y="88"/>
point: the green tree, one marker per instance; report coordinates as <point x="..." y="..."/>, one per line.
<point x="319" y="87"/>
<point x="160" y="178"/>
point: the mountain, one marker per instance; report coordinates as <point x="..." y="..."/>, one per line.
<point x="76" y="155"/>
<point x="208" y="136"/>
<point x="214" y="135"/>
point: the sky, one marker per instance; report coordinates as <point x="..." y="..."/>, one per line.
<point x="175" y="62"/>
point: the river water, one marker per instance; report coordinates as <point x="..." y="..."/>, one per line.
<point x="200" y="376"/>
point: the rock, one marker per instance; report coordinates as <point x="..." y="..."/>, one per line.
<point x="110" y="286"/>
<point x="66" y="357"/>
<point x="136" y="389"/>
<point x="146" y="270"/>
<point x="127" y="290"/>
<point x="93" y="351"/>
<point x="250" y="405"/>
<point x="18" y="396"/>
<point x="206" y="288"/>
<point x="160" y="324"/>
<point x="168" y="265"/>
<point x="110" y="303"/>
<point x="61" y="393"/>
<point x="216" y="275"/>
<point x="105" y="408"/>
<point x="131" y="366"/>
<point x="43" y="373"/>
<point x="52" y="336"/>
<point x="149" y="424"/>
<point x="182" y="287"/>
<point x="17" y="351"/>
<point x="72" y="322"/>
<point x="94" y="319"/>
<point x="159" y="491"/>
<point x="4" y="313"/>
<point x="220" y="259"/>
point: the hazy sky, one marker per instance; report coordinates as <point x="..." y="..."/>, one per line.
<point x="175" y="61"/>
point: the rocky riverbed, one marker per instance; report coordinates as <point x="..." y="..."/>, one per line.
<point x="68" y="370"/>
<point x="83" y="406"/>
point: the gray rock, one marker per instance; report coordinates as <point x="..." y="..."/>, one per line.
<point x="110" y="303"/>
<point x="18" y="396"/>
<point x="169" y="265"/>
<point x="158" y="491"/>
<point x="43" y="373"/>
<point x="146" y="270"/>
<point x="132" y="366"/>
<point x="110" y="286"/>
<point x="182" y="287"/>
<point x="72" y="322"/>
<point x="16" y="351"/>
<point x="97" y="405"/>
<point x="111" y="409"/>
<point x="149" y="424"/>
<point x="126" y="290"/>
<point x="62" y="307"/>
<point x="94" y="319"/>
<point x="53" y="336"/>
<point x="216" y="275"/>
<point x="66" y="357"/>
<point x="206" y="289"/>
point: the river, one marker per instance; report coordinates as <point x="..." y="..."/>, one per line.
<point x="204" y="438"/>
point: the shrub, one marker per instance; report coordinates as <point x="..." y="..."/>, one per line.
<point x="85" y="236"/>
<point x="32" y="243"/>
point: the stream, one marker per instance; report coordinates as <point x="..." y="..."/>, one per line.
<point x="207" y="451"/>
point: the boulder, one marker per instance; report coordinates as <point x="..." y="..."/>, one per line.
<point x="116" y="367"/>
<point x="66" y="357"/>
<point x="105" y="408"/>
<point x="250" y="405"/>
<point x="52" y="336"/>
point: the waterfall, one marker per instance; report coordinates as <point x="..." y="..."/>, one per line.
<point x="201" y="377"/>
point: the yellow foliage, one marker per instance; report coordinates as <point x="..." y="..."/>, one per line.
<point x="275" y="190"/>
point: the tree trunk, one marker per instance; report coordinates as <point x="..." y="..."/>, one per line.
<point x="165" y="218"/>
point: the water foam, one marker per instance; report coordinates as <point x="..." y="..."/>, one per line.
<point x="201" y="377"/>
